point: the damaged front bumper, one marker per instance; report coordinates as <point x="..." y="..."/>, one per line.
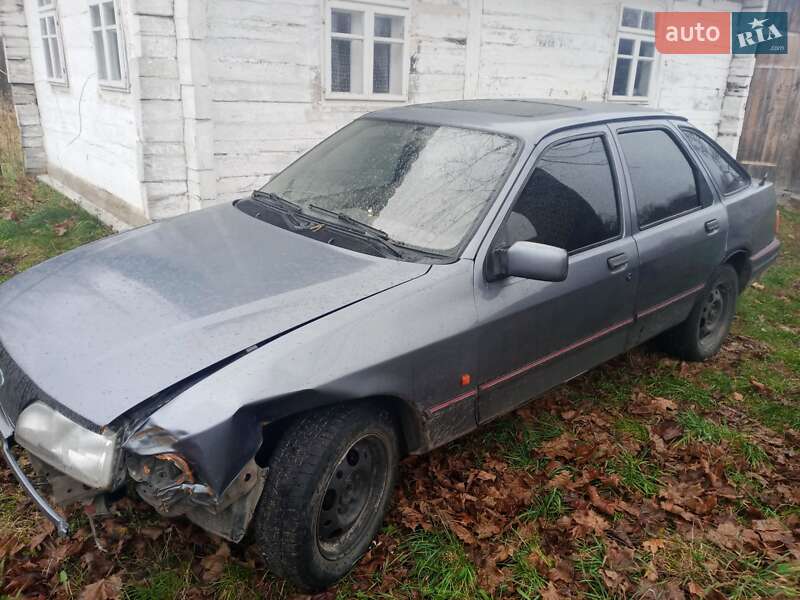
<point x="60" y="523"/>
<point x="167" y="483"/>
<point x="164" y="481"/>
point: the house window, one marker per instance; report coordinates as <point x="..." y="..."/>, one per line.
<point x="107" y="41"/>
<point x="366" y="51"/>
<point x="51" y="41"/>
<point x="635" y="53"/>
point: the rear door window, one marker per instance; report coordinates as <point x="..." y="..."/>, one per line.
<point x="570" y="200"/>
<point x="664" y="182"/>
<point x="728" y="175"/>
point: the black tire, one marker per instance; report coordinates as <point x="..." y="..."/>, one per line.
<point x="702" y="334"/>
<point x="329" y="484"/>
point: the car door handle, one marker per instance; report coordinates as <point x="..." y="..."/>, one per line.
<point x="618" y="261"/>
<point x="712" y="226"/>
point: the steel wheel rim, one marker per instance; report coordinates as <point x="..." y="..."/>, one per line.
<point x="353" y="491"/>
<point x="712" y="313"/>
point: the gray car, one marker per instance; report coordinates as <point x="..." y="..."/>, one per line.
<point x="419" y="273"/>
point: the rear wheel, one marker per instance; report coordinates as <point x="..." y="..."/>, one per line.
<point x="702" y="334"/>
<point x="329" y="483"/>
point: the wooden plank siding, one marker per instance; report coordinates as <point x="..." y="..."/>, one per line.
<point x="770" y="141"/>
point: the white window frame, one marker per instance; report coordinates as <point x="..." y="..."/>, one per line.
<point x="390" y="8"/>
<point x="637" y="35"/>
<point x="48" y="9"/>
<point x="122" y="84"/>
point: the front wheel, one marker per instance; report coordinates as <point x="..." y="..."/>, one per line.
<point x="329" y="483"/>
<point x="702" y="334"/>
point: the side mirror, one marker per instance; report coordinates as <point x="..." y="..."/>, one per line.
<point x="529" y="260"/>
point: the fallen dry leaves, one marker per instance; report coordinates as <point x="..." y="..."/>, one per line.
<point x="472" y="490"/>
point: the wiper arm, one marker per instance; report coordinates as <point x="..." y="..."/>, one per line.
<point x="373" y="233"/>
<point x="348" y="219"/>
<point x="276" y="199"/>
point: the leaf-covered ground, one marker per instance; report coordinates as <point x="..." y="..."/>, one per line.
<point x="646" y="477"/>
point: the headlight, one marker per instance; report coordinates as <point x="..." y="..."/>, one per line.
<point x="85" y="456"/>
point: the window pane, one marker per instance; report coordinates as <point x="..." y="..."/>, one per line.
<point x="113" y="55"/>
<point x="648" y="20"/>
<point x="626" y="46"/>
<point x="342" y="22"/>
<point x="43" y="23"/>
<point x="57" y="70"/>
<point x="621" y="77"/>
<point x="631" y="17"/>
<point x="340" y="65"/>
<point x="728" y="176"/>
<point x="663" y="180"/>
<point x="100" y="55"/>
<point x="569" y="201"/>
<point x="641" y="85"/>
<point x="389" y="27"/>
<point x="647" y="49"/>
<point x="383" y="26"/>
<point x="109" y="18"/>
<point x="346" y="66"/>
<point x="48" y="58"/>
<point x="94" y="12"/>
<point x="381" y="68"/>
<point x="51" y="25"/>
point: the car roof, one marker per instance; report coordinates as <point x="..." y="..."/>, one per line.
<point x="529" y="119"/>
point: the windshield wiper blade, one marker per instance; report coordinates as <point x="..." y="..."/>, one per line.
<point x="372" y="233"/>
<point x="275" y="198"/>
<point x="348" y="219"/>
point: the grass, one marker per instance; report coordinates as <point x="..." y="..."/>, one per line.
<point x="518" y="440"/>
<point x="730" y="574"/>
<point x="636" y="473"/>
<point x="163" y="585"/>
<point x="633" y="428"/>
<point x="590" y="558"/>
<point x="549" y="505"/>
<point x="697" y="428"/>
<point x="526" y="578"/>
<point x="441" y="568"/>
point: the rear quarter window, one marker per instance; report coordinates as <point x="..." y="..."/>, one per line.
<point x="725" y="172"/>
<point x="664" y="182"/>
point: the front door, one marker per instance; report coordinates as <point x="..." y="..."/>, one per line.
<point x="679" y="228"/>
<point x="534" y="334"/>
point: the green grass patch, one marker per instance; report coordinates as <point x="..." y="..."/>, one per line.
<point x="517" y="440"/>
<point x="590" y="558"/>
<point x="633" y="428"/>
<point x="525" y="577"/>
<point x="441" y="567"/>
<point x="548" y="506"/>
<point x="636" y="473"/>
<point x="668" y="385"/>
<point x="698" y="428"/>
<point x="164" y="585"/>
<point x="744" y="576"/>
<point x="46" y="226"/>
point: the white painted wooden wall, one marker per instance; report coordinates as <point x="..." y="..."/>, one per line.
<point x="89" y="132"/>
<point x="265" y="65"/>
<point x="225" y="93"/>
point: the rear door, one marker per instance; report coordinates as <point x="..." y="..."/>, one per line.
<point x="679" y="225"/>
<point x="536" y="334"/>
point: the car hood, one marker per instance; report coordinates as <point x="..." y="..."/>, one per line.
<point x="103" y="328"/>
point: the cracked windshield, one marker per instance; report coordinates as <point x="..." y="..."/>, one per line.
<point x="424" y="186"/>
